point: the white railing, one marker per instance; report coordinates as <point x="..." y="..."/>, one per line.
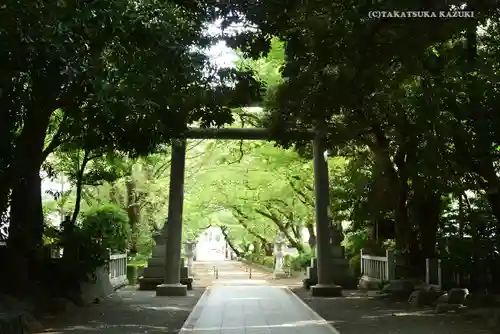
<point x="433" y="274"/>
<point x="118" y="269"/>
<point x="380" y="268"/>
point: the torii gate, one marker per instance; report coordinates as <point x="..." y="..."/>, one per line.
<point x="172" y="286"/>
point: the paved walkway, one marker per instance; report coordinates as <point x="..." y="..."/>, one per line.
<point x="253" y="309"/>
<point x="232" y="304"/>
<point x="229" y="273"/>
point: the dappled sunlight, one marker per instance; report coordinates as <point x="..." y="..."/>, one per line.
<point x="397" y="314"/>
<point x="123" y="328"/>
<point x="311" y="324"/>
<point x="160" y="308"/>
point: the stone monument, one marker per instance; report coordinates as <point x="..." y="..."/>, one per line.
<point x="340" y="266"/>
<point x="155" y="271"/>
<point x="339" y="271"/>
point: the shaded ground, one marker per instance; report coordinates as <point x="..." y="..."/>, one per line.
<point x="129" y="311"/>
<point x="356" y="313"/>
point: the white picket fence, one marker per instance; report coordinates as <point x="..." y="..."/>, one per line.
<point x="118" y="269"/>
<point x="378" y="268"/>
<point x="433" y="273"/>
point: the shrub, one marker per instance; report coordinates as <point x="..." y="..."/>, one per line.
<point x="302" y="261"/>
<point x="109" y="223"/>
<point x="268" y="261"/>
<point x="132" y="274"/>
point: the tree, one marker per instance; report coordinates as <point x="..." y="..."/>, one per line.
<point x="99" y="76"/>
<point x="408" y="101"/>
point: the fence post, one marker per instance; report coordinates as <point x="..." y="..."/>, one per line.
<point x="390" y="265"/>
<point x="361" y="262"/>
<point x="427" y="272"/>
<point x="440" y="278"/>
<point x="108" y="263"/>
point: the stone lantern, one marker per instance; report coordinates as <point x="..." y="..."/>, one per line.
<point x="279" y="256"/>
<point x="189" y="249"/>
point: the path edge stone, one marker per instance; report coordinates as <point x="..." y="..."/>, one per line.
<point x="309" y="308"/>
<point x="193" y="317"/>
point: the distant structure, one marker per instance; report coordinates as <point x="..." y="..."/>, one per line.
<point x="211" y="246"/>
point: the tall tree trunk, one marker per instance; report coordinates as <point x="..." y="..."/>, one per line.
<point x="281" y="227"/>
<point x="133" y="212"/>
<point x="223" y="229"/>
<point x="79" y="186"/>
<point x="429" y="211"/>
<point x="426" y="209"/>
<point x="26" y="215"/>
<point x="312" y="235"/>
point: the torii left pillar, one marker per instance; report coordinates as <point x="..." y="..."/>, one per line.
<point x="328" y="270"/>
<point x="171" y="285"/>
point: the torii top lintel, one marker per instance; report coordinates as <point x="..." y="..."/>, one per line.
<point x="246" y="134"/>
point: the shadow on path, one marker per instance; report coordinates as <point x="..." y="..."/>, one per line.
<point x="356" y="313"/>
<point x="129" y="311"/>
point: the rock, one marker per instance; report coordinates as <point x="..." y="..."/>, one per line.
<point x="453" y="300"/>
<point x="415" y="299"/>
<point x="367" y="283"/>
<point x="400" y="289"/>
<point x="423" y="298"/>
<point x="457" y="296"/>
<point x="443" y="299"/>
<point x="443" y="307"/>
<point x="479" y="300"/>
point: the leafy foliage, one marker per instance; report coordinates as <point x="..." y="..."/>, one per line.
<point x="109" y="224"/>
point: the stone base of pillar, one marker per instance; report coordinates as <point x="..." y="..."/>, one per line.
<point x="186" y="279"/>
<point x="311" y="274"/>
<point x="172" y="290"/>
<point x="326" y="290"/>
<point x="340" y="274"/>
<point x="150" y="283"/>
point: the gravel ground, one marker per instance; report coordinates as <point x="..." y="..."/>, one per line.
<point x="356" y="313"/>
<point x="129" y="311"/>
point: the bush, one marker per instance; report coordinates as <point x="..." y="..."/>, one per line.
<point x="109" y="223"/>
<point x="132" y="274"/>
<point x="355" y="264"/>
<point x="302" y="261"/>
<point x="268" y="261"/>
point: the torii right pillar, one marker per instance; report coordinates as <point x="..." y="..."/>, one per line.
<point x="330" y="264"/>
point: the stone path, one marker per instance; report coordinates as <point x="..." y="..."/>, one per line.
<point x="129" y="311"/>
<point x="229" y="272"/>
<point x="264" y="309"/>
